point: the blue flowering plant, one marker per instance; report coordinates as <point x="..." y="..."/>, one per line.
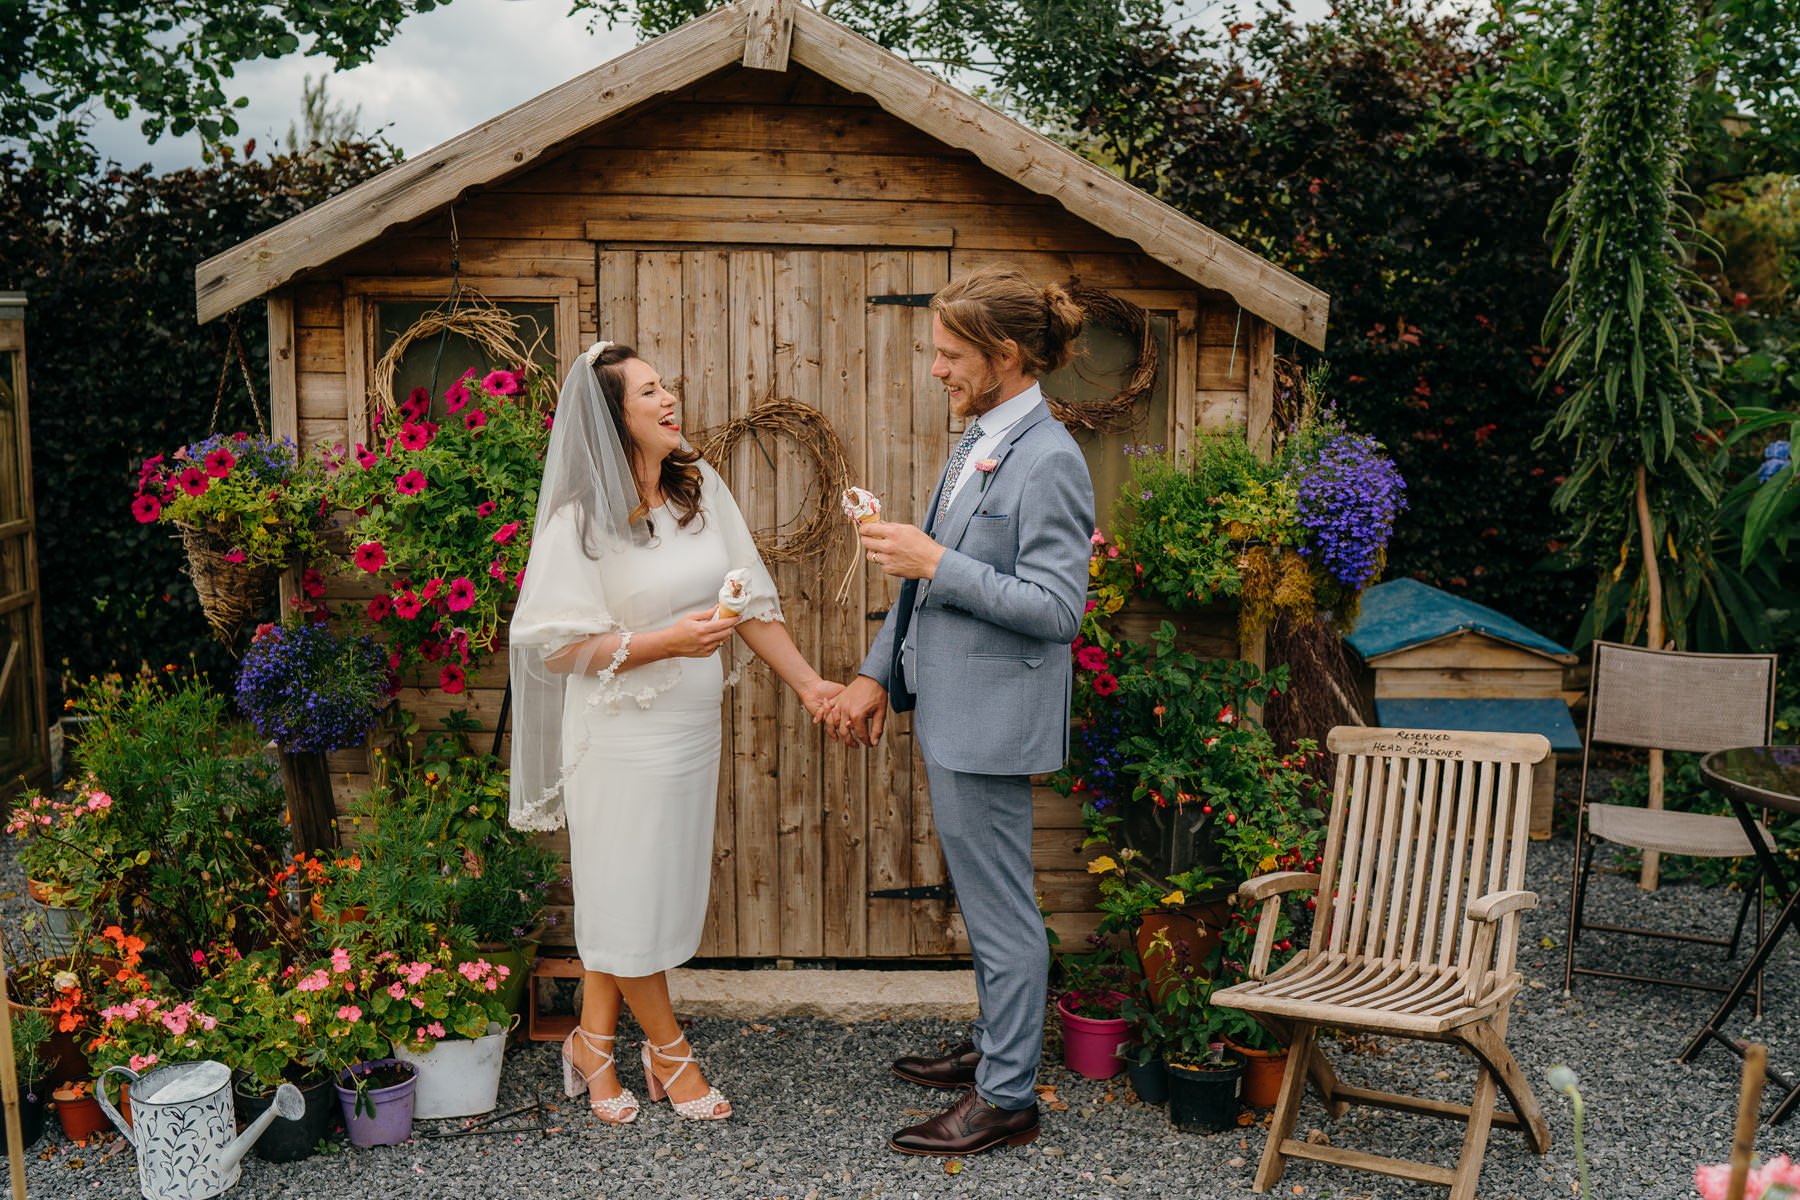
<point x="311" y="688"/>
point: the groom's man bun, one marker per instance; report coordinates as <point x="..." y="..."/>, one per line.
<point x="991" y="305"/>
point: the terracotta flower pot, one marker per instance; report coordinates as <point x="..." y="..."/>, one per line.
<point x="1197" y="927"/>
<point x="80" y="1115"/>
<point x="1262" y="1074"/>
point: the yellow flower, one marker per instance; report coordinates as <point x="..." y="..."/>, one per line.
<point x="1174" y="899"/>
<point x="1102" y="865"/>
<point x="1267" y="864"/>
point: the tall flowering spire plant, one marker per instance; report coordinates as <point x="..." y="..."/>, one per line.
<point x="443" y="503"/>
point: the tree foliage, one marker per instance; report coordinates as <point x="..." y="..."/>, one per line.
<point x="170" y="61"/>
<point x="119" y="371"/>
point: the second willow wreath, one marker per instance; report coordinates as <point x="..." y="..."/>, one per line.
<point x="808" y="535"/>
<point x="1133" y="323"/>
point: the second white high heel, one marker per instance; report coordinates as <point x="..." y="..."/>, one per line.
<point x="713" y="1106"/>
<point x="621" y="1109"/>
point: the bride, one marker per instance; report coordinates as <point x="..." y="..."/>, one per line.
<point x="616" y="687"/>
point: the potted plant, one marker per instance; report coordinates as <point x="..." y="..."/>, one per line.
<point x="1146" y="1055"/>
<point x="247" y="507"/>
<point x="78" y="1110"/>
<point x="66" y="991"/>
<point x="1203" y="1078"/>
<point x="30" y="1032"/>
<point x="444" y="501"/>
<point x="67" y="857"/>
<point x="1093" y="1026"/>
<point x="449" y="1020"/>
<point x="377" y="1101"/>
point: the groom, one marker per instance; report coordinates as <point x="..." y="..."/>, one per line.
<point x="978" y="646"/>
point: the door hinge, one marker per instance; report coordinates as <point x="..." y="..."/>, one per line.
<point x="905" y="299"/>
<point x="931" y="891"/>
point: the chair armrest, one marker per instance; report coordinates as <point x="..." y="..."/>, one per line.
<point x="1265" y="887"/>
<point x="1495" y="905"/>
<point x="1269" y="889"/>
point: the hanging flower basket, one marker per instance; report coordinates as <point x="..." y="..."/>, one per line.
<point x="231" y="588"/>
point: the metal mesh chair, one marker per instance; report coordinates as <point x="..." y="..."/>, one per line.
<point x="1668" y="700"/>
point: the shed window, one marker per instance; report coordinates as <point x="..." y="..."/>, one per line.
<point x="424" y="364"/>
<point x="1103" y="363"/>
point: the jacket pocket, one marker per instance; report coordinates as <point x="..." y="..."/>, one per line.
<point x="1032" y="661"/>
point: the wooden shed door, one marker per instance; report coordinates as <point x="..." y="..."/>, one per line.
<point x="806" y="829"/>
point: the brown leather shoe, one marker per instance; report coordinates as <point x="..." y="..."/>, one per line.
<point x="955" y="1070"/>
<point x="969" y="1126"/>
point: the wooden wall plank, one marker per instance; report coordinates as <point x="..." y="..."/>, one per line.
<point x="1259" y="386"/>
<point x="284" y="356"/>
<point x="843" y="383"/>
<point x="825" y="128"/>
<point x="1471" y="684"/>
<point x="617" y="289"/>
<point x="321" y="349"/>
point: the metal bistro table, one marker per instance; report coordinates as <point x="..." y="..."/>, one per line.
<point x="1750" y="778"/>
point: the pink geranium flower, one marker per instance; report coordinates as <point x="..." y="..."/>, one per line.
<point x="146" y="509"/>
<point x="452" y="678"/>
<point x="505" y="533"/>
<point x="349" y="1012"/>
<point x="371" y="557"/>
<point x="411" y="483"/>
<point x="379" y="608"/>
<point x="193" y="481"/>
<point x="485" y="508"/>
<point x="462" y="594"/>
<point x="414" y="436"/>
<point x="220" y="462"/>
<point x="501" y="383"/>
<point x="474" y="419"/>
<point x="456" y="398"/>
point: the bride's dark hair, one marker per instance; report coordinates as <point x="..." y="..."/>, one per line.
<point x="680" y="480"/>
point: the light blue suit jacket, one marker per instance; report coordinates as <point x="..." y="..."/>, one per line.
<point x="988" y="638"/>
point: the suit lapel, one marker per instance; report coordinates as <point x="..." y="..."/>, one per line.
<point x="968" y="500"/>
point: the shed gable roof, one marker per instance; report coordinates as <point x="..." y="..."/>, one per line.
<point x="520" y="137"/>
<point x="1403" y="614"/>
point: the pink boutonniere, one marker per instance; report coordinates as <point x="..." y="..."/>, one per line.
<point x="986" y="467"/>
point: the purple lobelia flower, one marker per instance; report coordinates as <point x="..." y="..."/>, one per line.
<point x="1349" y="494"/>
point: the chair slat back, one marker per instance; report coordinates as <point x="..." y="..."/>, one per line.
<point x="1422" y="823"/>
<point x="1674" y="700"/>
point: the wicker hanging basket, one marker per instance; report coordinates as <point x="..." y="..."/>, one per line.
<point x="230" y="592"/>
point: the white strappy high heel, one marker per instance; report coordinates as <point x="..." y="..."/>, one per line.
<point x="621" y="1109"/>
<point x="713" y="1106"/>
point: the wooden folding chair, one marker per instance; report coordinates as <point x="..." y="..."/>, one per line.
<point x="1414" y="936"/>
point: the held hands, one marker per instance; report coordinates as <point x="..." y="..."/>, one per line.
<point x="817" y="696"/>
<point x="904" y="551"/>
<point x="698" y="635"/>
<point x="858" y="714"/>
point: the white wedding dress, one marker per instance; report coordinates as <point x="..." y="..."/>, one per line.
<point x="640" y="745"/>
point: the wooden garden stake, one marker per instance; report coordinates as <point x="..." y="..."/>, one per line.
<point x="9" y="1090"/>
<point x="1743" y="1142"/>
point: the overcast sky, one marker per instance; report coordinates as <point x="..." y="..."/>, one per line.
<point x="446" y="71"/>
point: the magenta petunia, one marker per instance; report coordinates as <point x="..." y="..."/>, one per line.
<point x="1090" y="658"/>
<point x="485" y="508"/>
<point x="411" y="483"/>
<point x="416" y="404"/>
<point x="371" y="556"/>
<point x="497" y="569"/>
<point x="462" y="594"/>
<point x="194" y="481"/>
<point x="312" y="583"/>
<point x="235" y="555"/>
<point x="146" y="509"/>
<point x="379" y="608"/>
<point x="1105" y="683"/>
<point x="505" y="533"/>
<point x="456" y="398"/>
<point x="220" y="462"/>
<point x="415" y="436"/>
<point x="407" y="605"/>
<point x="451" y="678"/>
<point x="366" y="457"/>
<point x="501" y="383"/>
<point x="430" y="591"/>
<point x="474" y="419"/>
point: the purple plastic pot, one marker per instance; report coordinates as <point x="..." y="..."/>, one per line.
<point x="384" y="1115"/>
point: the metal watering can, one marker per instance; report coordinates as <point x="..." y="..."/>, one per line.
<point x="183" y="1126"/>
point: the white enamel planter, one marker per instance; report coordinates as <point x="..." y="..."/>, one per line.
<point x="458" y="1077"/>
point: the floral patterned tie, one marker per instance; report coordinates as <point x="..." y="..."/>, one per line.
<point x="953" y="472"/>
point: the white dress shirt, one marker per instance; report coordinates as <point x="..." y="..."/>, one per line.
<point x="996" y="423"/>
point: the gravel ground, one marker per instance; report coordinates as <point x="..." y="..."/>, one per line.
<point x="815" y="1103"/>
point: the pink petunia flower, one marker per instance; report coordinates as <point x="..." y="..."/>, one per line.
<point x="366" y="456"/>
<point x="474" y="419"/>
<point x="485" y="508"/>
<point x="430" y="591"/>
<point x="220" y="462"/>
<point x="371" y="557"/>
<point x="407" y="605"/>
<point x="312" y="583"/>
<point x="501" y="383"/>
<point x="462" y="595"/>
<point x="379" y="608"/>
<point x="415" y="437"/>
<point x="505" y="533"/>
<point x="456" y="398"/>
<point x="1105" y="683"/>
<point x="146" y="509"/>
<point x="411" y="483"/>
<point x="193" y="481"/>
<point x="235" y="555"/>
<point x="452" y="679"/>
<point x="1090" y="658"/>
<point x="497" y="569"/>
<point x="416" y="404"/>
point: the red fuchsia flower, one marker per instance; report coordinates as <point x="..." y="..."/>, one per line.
<point x="1105" y="683"/>
<point x="366" y="457"/>
<point x="497" y="570"/>
<point x="1090" y="658"/>
<point x="1226" y="716"/>
<point x="430" y="591"/>
<point x="411" y="483"/>
<point x="505" y="533"/>
<point x="235" y="555"/>
<point x="462" y="594"/>
<point x="485" y="508"/>
<point x="501" y="383"/>
<point x="379" y="608"/>
<point x="451" y="678"/>
<point x="370" y="556"/>
<point x="193" y="481"/>
<point x="456" y="398"/>
<point x="146" y="509"/>
<point x="312" y="583"/>
<point x="414" y="436"/>
<point x="407" y="605"/>
<point x="220" y="462"/>
<point x="474" y="419"/>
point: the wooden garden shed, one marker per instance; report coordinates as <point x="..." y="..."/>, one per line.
<point x="761" y="201"/>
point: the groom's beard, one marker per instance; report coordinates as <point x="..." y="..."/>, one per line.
<point x="978" y="397"/>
